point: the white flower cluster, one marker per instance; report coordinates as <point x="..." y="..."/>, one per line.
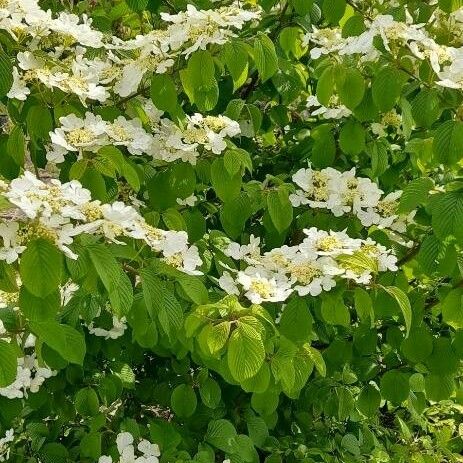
<point x="4" y="447"/>
<point x="116" y="331"/>
<point x="446" y="61"/>
<point x="344" y="192"/>
<point x="56" y="55"/>
<point x="308" y="268"/>
<point x="335" y="110"/>
<point x="59" y="212"/>
<point x="29" y="377"/>
<point x="167" y="142"/>
<point x="148" y="452"/>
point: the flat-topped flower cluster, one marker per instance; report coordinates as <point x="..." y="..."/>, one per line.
<point x="61" y="211"/>
<point x="128" y="450"/>
<point x="309" y="268"/>
<point x="57" y="47"/>
<point x="30" y="375"/>
<point x="394" y="36"/>
<point x="165" y="142"/>
<point x="345" y="193"/>
<point x="4" y="447"/>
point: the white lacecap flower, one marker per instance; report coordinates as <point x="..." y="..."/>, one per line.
<point x="309" y="268"/>
<point x="60" y="212"/>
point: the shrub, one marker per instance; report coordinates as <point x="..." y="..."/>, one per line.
<point x="231" y="231"/>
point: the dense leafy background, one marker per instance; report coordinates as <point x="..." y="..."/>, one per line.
<point x="362" y="373"/>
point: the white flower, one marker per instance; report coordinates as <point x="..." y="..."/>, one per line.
<point x="129" y="133"/>
<point x="116" y="331"/>
<point x="148" y="449"/>
<point x="334" y="111"/>
<point x="228" y="284"/>
<point x="18" y="90"/>
<point x="263" y="286"/>
<point x="240" y="252"/>
<point x="79" y="28"/>
<point x="123" y="440"/>
<point x="11" y="249"/>
<point x="76" y="133"/>
<point x="313" y="276"/>
<point x="328" y="41"/>
<point x="322" y="243"/>
<point x="189" y="201"/>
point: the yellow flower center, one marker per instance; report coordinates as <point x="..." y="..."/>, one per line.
<point x="78" y="137"/>
<point x="262" y="288"/>
<point x="305" y="273"/>
<point x="328" y="243"/>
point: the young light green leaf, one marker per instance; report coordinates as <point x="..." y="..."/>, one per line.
<point x="404" y="303"/>
<point x="41" y="267"/>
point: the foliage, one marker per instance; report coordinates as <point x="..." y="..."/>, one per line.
<point x="231" y="231"/>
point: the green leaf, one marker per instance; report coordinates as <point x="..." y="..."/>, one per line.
<point x="352" y="138"/>
<point x="257" y="430"/>
<point x="450" y="6"/>
<point x="54" y="453"/>
<point x="417" y="347"/>
<point x="448" y="142"/>
<point x="369" y="400"/>
<point x="452" y="309"/>
<point x="395" y="386"/>
<point x="184" y="401"/>
<point x="334" y="311"/>
<point x="217" y="336"/>
<point x="8" y="363"/>
<point x="236" y="59"/>
<point x="137" y="5"/>
<point x="67" y="341"/>
<point x="41" y="267"/>
<point x="442" y="360"/>
<point x="402" y="300"/>
<point x="163" y="93"/>
<point x="39" y="121"/>
<point x="280" y="209"/>
<point x="38" y="308"/>
<point x="210" y="393"/>
<point x="161" y="302"/>
<point x="364" y="306"/>
<point x="235" y="214"/>
<point x="221" y="434"/>
<point x="447" y="215"/>
<point x="426" y="107"/>
<point x="302" y="7"/>
<point x="333" y="10"/>
<point x="386" y="88"/>
<point x="324" y="148"/>
<point x="296" y="321"/>
<point x="317" y="359"/>
<point x="15" y="145"/>
<point x="245" y="353"/>
<point x="439" y="387"/>
<point x="325" y="85"/>
<point x="199" y="80"/>
<point x="116" y="282"/>
<point x="415" y="193"/>
<point x="194" y="289"/>
<point x="86" y="402"/>
<point x="90" y="445"/>
<point x="291" y="42"/>
<point x="6" y="73"/>
<point x="265" y="57"/>
<point x="225" y="185"/>
<point x="351" y="88"/>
